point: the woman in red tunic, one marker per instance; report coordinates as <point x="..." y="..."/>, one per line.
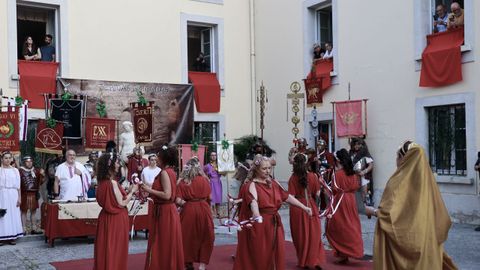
<point x="263" y="245"/>
<point x="343" y="229"/>
<point x="111" y="241"/>
<point x="165" y="248"/>
<point x="306" y="231"/>
<point x="196" y="217"/>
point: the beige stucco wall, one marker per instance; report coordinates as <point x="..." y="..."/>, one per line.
<point x="376" y="55"/>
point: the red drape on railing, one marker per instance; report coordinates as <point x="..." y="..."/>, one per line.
<point x="321" y="69"/>
<point x="37" y="78"/>
<point x="442" y="59"/>
<point x="207" y="91"/>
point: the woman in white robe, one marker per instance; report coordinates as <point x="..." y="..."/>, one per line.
<point x="11" y="223"/>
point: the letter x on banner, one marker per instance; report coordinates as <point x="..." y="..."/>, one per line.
<point x="98" y="131"/>
<point x="350" y="117"/>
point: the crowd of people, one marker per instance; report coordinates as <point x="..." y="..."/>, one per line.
<point x="181" y="231"/>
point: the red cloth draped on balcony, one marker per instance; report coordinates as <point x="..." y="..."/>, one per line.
<point x="206" y="90"/>
<point x="442" y="59"/>
<point x="321" y="69"/>
<point x="37" y="78"/>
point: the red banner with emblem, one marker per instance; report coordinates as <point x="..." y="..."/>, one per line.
<point x="9" y="126"/>
<point x="98" y="131"/>
<point x="49" y="140"/>
<point x="349" y="118"/>
<point x="313" y="87"/>
<point x="142" y="123"/>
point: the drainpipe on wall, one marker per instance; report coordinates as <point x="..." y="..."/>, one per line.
<point x="253" y="90"/>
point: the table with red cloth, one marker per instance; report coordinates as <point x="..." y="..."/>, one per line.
<point x="77" y="227"/>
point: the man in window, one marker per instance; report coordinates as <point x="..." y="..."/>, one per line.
<point x="440" y="19"/>
<point x="455" y="19"/>
<point x="200" y="63"/>
<point x="328" y="51"/>
<point x="48" y="51"/>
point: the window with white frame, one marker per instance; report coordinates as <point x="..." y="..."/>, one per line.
<point x="206" y="133"/>
<point x="201" y="48"/>
<point x="447" y="139"/>
<point x="323" y="25"/>
<point x="435" y="6"/>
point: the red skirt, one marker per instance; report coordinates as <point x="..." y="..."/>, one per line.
<point x="29" y="201"/>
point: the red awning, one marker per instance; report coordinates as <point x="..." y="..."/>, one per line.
<point x="321" y="69"/>
<point x="37" y="78"/>
<point x="207" y="91"/>
<point x="442" y="59"/>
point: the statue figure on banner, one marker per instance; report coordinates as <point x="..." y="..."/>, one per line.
<point x="127" y="141"/>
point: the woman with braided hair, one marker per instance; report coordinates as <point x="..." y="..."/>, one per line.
<point x="196" y="218"/>
<point x="306" y="230"/>
<point x="263" y="245"/>
<point x="111" y="241"/>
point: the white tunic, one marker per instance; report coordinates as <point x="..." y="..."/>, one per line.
<point x="71" y="184"/>
<point x="11" y="223"/>
<point x="149" y="174"/>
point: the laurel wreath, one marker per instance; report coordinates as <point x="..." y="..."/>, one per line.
<point x="141" y="98"/>
<point x="101" y="109"/>
<point x="66" y="96"/>
<point x="51" y="123"/>
<point x="225" y="144"/>
<point x="194" y="145"/>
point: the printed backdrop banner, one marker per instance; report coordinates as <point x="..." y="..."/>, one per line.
<point x="48" y="140"/>
<point x="348" y="119"/>
<point x="68" y="112"/>
<point x="9" y="140"/>
<point x="22" y="130"/>
<point x="172" y="109"/>
<point x="225" y="159"/>
<point x="98" y="131"/>
<point x="142" y="123"/>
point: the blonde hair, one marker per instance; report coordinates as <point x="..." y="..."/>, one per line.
<point x="191" y="169"/>
<point x="257" y="161"/>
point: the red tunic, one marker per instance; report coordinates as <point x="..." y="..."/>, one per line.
<point x="263" y="246"/>
<point x="343" y="230"/>
<point x="197" y="222"/>
<point x="306" y="231"/>
<point x="133" y="164"/>
<point x="165" y="248"/>
<point x="111" y="241"/>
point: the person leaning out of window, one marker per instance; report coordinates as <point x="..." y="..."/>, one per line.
<point x="440" y="19"/>
<point x="30" y="52"/>
<point x="455" y="19"/>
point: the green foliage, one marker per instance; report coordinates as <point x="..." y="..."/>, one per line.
<point x="141" y="98"/>
<point x="101" y="109"/>
<point x="18" y="101"/>
<point x="51" y="123"/>
<point x="66" y="96"/>
<point x="244" y="145"/>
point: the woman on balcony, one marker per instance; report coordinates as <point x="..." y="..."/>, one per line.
<point x="30" y="51"/>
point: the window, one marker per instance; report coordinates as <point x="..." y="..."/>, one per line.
<point x="446" y="3"/>
<point x="447" y="139"/>
<point x="325" y="133"/>
<point x="34" y="22"/>
<point x="206" y="133"/>
<point x="323" y="24"/>
<point x="200" y="41"/>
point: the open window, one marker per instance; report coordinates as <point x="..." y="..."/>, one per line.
<point x="323" y="25"/>
<point x="201" y="48"/>
<point x="207" y="133"/>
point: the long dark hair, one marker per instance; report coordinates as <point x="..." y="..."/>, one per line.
<point x="300" y="169"/>
<point x="345" y="160"/>
<point x="25" y="47"/>
<point x="106" y="166"/>
<point x="168" y="155"/>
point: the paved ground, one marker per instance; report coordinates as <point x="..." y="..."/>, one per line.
<point x="31" y="252"/>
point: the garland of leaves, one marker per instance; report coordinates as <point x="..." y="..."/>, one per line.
<point x="141" y="98"/>
<point x="66" y="96"/>
<point x="101" y="109"/>
<point x="225" y="144"/>
<point x="51" y="123"/>
<point x="194" y="145"/>
<point x="18" y="101"/>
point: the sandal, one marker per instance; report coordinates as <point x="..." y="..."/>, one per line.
<point x="12" y="242"/>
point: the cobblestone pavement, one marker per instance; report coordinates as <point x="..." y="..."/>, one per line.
<point x="31" y="252"/>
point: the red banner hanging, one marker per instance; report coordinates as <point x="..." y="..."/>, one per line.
<point x="314" y="91"/>
<point x="49" y="140"/>
<point x="98" y="131"/>
<point x="37" y="78"/>
<point x="9" y="126"/>
<point x="142" y="123"/>
<point x="348" y="119"/>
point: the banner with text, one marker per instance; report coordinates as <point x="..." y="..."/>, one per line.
<point x="68" y="112"/>
<point x="48" y="140"/>
<point x="98" y="131"/>
<point x="9" y="135"/>
<point x="142" y="123"/>
<point x="172" y="108"/>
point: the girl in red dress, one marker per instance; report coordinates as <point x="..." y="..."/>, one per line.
<point x="165" y="248"/>
<point x="343" y="230"/>
<point x="196" y="217"/>
<point x="306" y="231"/>
<point x="263" y="245"/>
<point x="111" y="241"/>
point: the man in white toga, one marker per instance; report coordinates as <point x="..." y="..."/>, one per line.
<point x="71" y="179"/>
